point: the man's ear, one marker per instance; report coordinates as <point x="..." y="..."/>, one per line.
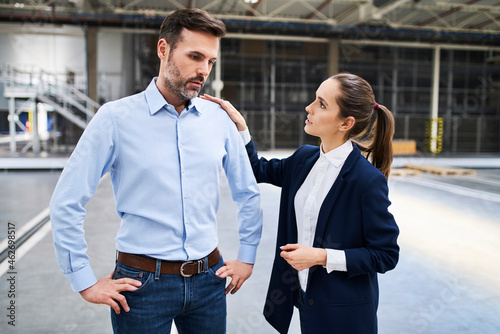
<point x="347" y="124"/>
<point x="162" y="49"/>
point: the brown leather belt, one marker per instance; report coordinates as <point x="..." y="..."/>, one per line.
<point x="186" y="269"/>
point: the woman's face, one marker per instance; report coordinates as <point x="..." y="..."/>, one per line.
<point x="323" y="119"/>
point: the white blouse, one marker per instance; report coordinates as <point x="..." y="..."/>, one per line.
<point x="309" y="199"/>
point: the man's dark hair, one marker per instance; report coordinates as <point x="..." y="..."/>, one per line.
<point x="192" y="19"/>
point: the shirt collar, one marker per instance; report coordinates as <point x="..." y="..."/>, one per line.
<point x="156" y="101"/>
<point x="195" y="105"/>
<point x="338" y="155"/>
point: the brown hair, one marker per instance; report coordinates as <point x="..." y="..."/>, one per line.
<point x="192" y="19"/>
<point x="374" y="124"/>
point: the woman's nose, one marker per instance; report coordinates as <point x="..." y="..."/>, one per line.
<point x="308" y="109"/>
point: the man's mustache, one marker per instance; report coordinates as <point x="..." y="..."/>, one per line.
<point x="199" y="78"/>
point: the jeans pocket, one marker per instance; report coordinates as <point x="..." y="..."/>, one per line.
<point x="214" y="268"/>
<point x="123" y="271"/>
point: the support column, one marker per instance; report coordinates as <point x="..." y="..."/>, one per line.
<point x="128" y="79"/>
<point x="333" y="57"/>
<point x="272" y="100"/>
<point x="395" y="86"/>
<point x="218" y="84"/>
<point x="479" y="133"/>
<point x="91" y="48"/>
<point x="12" y="124"/>
<point x="34" y="131"/>
<point x="435" y="99"/>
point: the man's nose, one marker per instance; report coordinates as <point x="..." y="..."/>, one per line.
<point x="203" y="70"/>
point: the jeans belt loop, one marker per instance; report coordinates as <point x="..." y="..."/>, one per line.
<point x="158" y="269"/>
<point x="202" y="265"/>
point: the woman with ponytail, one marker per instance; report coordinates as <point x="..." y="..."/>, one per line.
<point x="335" y="232"/>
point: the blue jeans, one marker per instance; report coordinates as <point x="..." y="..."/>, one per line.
<point x="196" y="304"/>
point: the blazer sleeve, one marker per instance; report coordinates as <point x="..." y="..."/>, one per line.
<point x="267" y="171"/>
<point x="380" y="251"/>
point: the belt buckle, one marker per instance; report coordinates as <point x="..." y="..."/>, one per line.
<point x="201" y="268"/>
<point x="182" y="268"/>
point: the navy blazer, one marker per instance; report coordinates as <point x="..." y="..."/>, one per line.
<point x="354" y="217"/>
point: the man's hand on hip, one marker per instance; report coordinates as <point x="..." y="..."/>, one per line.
<point x="107" y="291"/>
<point x="239" y="273"/>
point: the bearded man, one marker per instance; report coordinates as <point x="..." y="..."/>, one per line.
<point x="165" y="150"/>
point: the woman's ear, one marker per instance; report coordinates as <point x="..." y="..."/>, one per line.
<point x="347" y="124"/>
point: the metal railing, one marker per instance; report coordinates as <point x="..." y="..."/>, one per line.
<point x="31" y="85"/>
<point x="52" y="86"/>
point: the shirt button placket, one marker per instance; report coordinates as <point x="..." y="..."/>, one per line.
<point x="183" y="172"/>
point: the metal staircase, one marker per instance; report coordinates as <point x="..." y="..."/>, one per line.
<point x="25" y="89"/>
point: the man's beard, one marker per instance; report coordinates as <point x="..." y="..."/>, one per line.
<point x="174" y="82"/>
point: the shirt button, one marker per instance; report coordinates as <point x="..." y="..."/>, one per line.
<point x="187" y="221"/>
<point x="182" y="171"/>
<point x="180" y="145"/>
<point x="187" y="245"/>
<point x="310" y="302"/>
<point x="185" y="196"/>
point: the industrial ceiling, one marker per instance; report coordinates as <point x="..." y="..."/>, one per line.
<point x="470" y="21"/>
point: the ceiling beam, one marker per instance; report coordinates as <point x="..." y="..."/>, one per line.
<point x="254" y="7"/>
<point x="437" y="15"/>
<point x="251" y="9"/>
<point x="132" y="4"/>
<point x="469" y="20"/>
<point x="450" y="5"/>
<point x="408" y="17"/>
<point x="107" y="4"/>
<point x="318" y="9"/>
<point x="280" y="9"/>
<point x="446" y="13"/>
<point x="485" y="23"/>
<point x="378" y="13"/>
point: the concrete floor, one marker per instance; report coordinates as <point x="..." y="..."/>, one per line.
<point x="447" y="280"/>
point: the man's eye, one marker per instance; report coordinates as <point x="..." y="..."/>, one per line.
<point x="322" y="105"/>
<point x="211" y="62"/>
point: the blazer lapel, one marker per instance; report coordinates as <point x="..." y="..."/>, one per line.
<point x="331" y="197"/>
<point x="301" y="173"/>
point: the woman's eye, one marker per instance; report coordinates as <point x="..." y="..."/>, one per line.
<point x="322" y="105"/>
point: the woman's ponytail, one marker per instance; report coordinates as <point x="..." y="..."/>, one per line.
<point x="380" y="149"/>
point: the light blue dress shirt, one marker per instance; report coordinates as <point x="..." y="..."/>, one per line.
<point x="165" y="169"/>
